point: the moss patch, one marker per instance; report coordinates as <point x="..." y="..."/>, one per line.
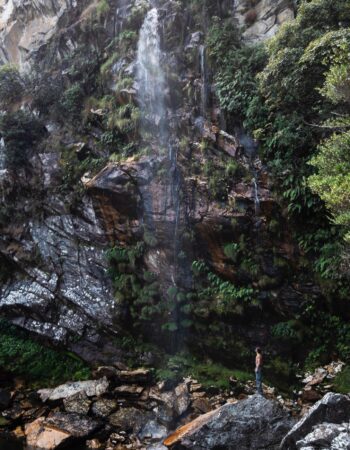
<point x="342" y="381"/>
<point x="23" y="356"/>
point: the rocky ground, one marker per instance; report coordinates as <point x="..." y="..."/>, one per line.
<point x="127" y="409"/>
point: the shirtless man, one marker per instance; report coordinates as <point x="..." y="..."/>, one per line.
<point x="258" y="370"/>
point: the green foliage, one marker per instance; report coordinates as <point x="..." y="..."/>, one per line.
<point x="342" y="381"/>
<point x="107" y="65"/>
<point x="223" y="296"/>
<point x="26" y="357"/>
<point x="21" y="131"/>
<point x="209" y="374"/>
<point x="332" y="180"/>
<point x="136" y="289"/>
<point x="222" y="35"/>
<point x="326" y="333"/>
<point x="232" y="251"/>
<point x="11" y="85"/>
<point x="73" y="169"/>
<point x="287" y="331"/>
<point x="279" y="91"/>
<point x="235" y="82"/>
<point x="102" y="8"/>
<point x="72" y="101"/>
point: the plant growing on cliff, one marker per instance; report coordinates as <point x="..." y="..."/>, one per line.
<point x="72" y="101"/>
<point x="224" y="297"/>
<point x="24" y="356"/>
<point x="21" y="132"/>
<point x="332" y="180"/>
<point x="102" y="8"/>
<point x="11" y="86"/>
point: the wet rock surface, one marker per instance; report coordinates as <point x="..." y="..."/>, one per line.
<point x="251" y="424"/>
<point x="332" y="409"/>
<point x="64" y="293"/>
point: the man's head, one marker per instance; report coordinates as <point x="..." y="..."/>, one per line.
<point x="258" y="350"/>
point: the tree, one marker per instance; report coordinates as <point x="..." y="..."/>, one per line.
<point x="332" y="163"/>
<point x="21" y="130"/>
<point x="11" y="85"/>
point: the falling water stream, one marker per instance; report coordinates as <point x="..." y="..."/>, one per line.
<point x="152" y="89"/>
<point x="204" y="80"/>
<point x="2" y="155"/>
<point x="150" y="77"/>
<point x="256" y="196"/>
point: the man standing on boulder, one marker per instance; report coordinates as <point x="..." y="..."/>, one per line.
<point x="258" y="370"/>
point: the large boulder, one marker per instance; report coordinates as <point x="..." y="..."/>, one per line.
<point x="332" y="408"/>
<point x="91" y="388"/>
<point x="326" y="435"/>
<point x="254" y="423"/>
<point x="58" y="429"/>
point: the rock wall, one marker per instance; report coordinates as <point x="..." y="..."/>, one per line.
<point x="59" y="285"/>
<point x="27" y="26"/>
<point x="261" y="19"/>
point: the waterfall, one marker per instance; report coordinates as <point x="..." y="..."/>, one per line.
<point x="121" y="15"/>
<point x="175" y="204"/>
<point x="150" y="76"/>
<point x="256" y="197"/>
<point x="2" y="155"/>
<point x="204" y="79"/>
<point x="152" y="88"/>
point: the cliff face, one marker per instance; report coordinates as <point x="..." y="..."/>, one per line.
<point x="206" y="190"/>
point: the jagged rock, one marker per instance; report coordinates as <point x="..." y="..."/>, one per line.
<point x="130" y="419"/>
<point x="91" y="388"/>
<point x="13" y="413"/>
<point x="182" y="399"/>
<point x="106" y="371"/>
<point x="156" y="447"/>
<point x="171" y="403"/>
<point x="76" y="425"/>
<point x="46" y="438"/>
<point x="153" y="431"/>
<point x="333" y="408"/>
<point x="310" y="395"/>
<point x="322" y="435"/>
<point x="251" y="424"/>
<point x="104" y="407"/>
<point x="137" y="376"/>
<point x="341" y="442"/>
<point x="78" y="403"/>
<point x="59" y="428"/>
<point x="316" y="378"/>
<point x="129" y="390"/>
<point x="114" y="439"/>
<point x="93" y="444"/>
<point x="201" y="405"/>
<point x="264" y="18"/>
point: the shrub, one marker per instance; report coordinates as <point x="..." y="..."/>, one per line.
<point x="21" y="132"/>
<point x="72" y="100"/>
<point x="11" y="85"/>
<point x="342" y="381"/>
